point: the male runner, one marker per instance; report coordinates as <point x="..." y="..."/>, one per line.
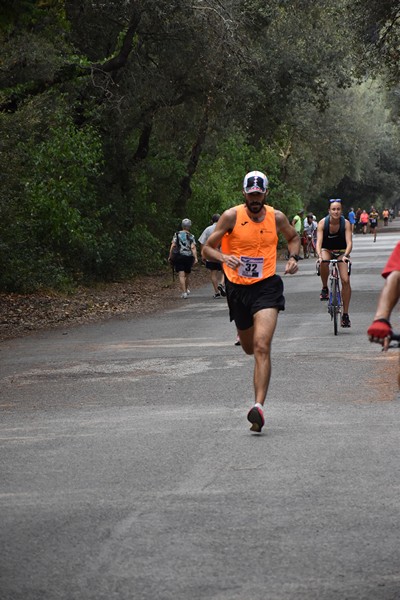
<point x="248" y="237"/>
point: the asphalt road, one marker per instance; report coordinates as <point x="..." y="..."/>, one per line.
<point x="128" y="470"/>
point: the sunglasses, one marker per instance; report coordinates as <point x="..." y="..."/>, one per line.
<point x="335" y="200"/>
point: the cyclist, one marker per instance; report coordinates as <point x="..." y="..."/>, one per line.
<point x="334" y="240"/>
<point x="248" y="236"/>
<point x="380" y="329"/>
<point x="310" y="230"/>
<point x="373" y="221"/>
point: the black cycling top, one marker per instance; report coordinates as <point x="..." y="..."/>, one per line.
<point x="334" y="241"/>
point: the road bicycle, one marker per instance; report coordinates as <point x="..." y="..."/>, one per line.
<point x="309" y="246"/>
<point x="335" y="305"/>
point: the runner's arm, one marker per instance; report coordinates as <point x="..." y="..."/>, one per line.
<point x="293" y="240"/>
<point x="194" y="252"/>
<point x="172" y="246"/>
<point x="380" y="329"/>
<point x="389" y="296"/>
<point x="349" y="240"/>
<point x="320" y="237"/>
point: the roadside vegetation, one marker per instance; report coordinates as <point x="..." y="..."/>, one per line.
<point x="118" y="119"/>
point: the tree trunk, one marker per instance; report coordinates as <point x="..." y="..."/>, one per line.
<point x="185" y="187"/>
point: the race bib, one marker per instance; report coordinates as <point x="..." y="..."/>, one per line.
<point x="251" y="267"/>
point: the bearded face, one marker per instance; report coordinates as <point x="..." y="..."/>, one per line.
<point x="255" y="202"/>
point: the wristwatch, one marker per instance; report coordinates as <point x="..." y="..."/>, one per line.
<point x="295" y="256"/>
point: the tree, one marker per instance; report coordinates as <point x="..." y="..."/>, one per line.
<point x="169" y="104"/>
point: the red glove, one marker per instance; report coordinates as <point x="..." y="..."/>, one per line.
<point x="380" y="328"/>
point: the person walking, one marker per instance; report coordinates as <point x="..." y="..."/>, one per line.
<point x="335" y="240"/>
<point x="351" y="216"/>
<point x="248" y="235"/>
<point x="364" y="220"/>
<point x="385" y="217"/>
<point x="183" y="255"/>
<point x="373" y="222"/>
<point x="215" y="268"/>
<point x="297" y="223"/>
<point x="357" y="227"/>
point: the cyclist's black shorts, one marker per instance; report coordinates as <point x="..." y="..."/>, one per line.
<point x="335" y="253"/>
<point x="245" y="300"/>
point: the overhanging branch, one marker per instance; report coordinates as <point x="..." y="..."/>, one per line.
<point x="69" y="72"/>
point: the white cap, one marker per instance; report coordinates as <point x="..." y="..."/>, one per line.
<point x="255" y="181"/>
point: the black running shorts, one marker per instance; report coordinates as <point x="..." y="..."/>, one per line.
<point x="184" y="263"/>
<point x="213" y="266"/>
<point x="245" y="300"/>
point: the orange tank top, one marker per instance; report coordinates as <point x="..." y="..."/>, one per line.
<point x="256" y="245"/>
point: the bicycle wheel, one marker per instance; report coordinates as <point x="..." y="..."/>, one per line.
<point x="335" y="305"/>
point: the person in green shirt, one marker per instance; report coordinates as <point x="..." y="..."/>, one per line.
<point x="297" y="223"/>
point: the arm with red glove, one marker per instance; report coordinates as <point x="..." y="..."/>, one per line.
<point x="380" y="329"/>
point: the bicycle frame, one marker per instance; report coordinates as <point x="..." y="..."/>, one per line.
<point x="335" y="298"/>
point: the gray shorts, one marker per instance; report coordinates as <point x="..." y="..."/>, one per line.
<point x="245" y="300"/>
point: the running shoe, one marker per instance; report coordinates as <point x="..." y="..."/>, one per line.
<point x="256" y="418"/>
<point x="218" y="295"/>
<point x="324" y="295"/>
<point x="238" y="343"/>
<point x="346" y="320"/>
<point x="184" y="295"/>
<point x="222" y="291"/>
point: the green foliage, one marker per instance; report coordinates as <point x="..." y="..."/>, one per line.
<point x="218" y="182"/>
<point x="138" y="253"/>
<point x="57" y="223"/>
<point x="29" y="269"/>
<point x="60" y="191"/>
<point x="98" y="159"/>
<point x="29" y="13"/>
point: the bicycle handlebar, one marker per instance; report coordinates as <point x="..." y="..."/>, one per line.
<point x="333" y="261"/>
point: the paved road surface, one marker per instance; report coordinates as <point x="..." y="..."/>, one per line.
<point x="128" y="470"/>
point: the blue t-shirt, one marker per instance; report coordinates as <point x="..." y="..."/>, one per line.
<point x="351" y="217"/>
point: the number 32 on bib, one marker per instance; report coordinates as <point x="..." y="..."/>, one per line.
<point x="251" y="267"/>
